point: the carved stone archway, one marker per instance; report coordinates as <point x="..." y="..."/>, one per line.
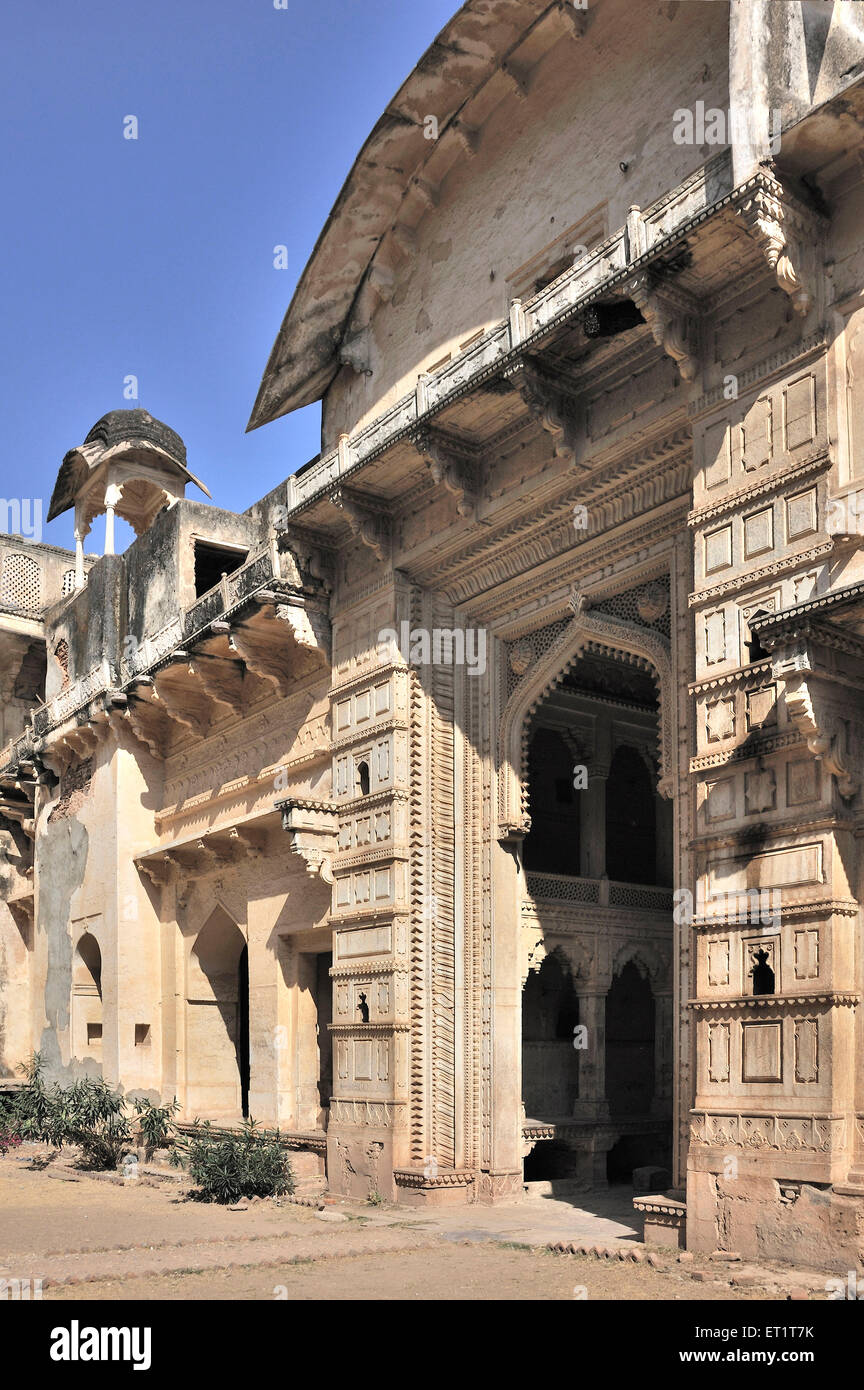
<point x="651" y="963"/>
<point x="587" y="632"/>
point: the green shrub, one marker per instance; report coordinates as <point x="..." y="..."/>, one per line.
<point x="91" y="1115"/>
<point x="154" y="1122"/>
<point x="227" y="1167"/>
<point x="87" y="1113"/>
<point x="33" y="1113"/>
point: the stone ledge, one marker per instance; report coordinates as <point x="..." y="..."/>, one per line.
<point x="664" y="1217"/>
<point x="669" y="1206"/>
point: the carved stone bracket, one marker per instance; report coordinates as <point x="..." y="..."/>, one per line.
<point x="368" y="521"/>
<point x="309" y="626"/>
<point x="458" y="474"/>
<point x="313" y="827"/>
<point x="188" y="860"/>
<point x="553" y="408"/>
<point x="786" y="233"/>
<point x="825" y="732"/>
<point x="672" y="317"/>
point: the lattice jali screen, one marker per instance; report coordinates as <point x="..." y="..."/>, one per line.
<point x="21" y="584"/>
<point x="68" y="583"/>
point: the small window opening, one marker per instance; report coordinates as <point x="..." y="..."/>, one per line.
<point x="755" y="650"/>
<point x="363" y="778"/>
<point x="142" y="1034"/>
<point x="363" y="1008"/>
<point x="212" y="561"/>
<point x="94" y="1032"/>
<point x="763" y="975"/>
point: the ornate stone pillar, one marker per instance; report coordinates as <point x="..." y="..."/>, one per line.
<point x="81" y="530"/>
<point x="661" y="1104"/>
<point x="113" y="494"/>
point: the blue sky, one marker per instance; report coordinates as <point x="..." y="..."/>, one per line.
<point x="154" y="257"/>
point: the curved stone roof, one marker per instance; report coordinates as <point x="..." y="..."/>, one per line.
<point x="117" y="433"/>
<point x="119" y="425"/>
<point x="394" y="181"/>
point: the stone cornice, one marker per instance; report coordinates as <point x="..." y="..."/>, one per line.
<point x="834" y="599"/>
<point x="778" y="480"/>
<point x="768" y="830"/>
<point x="812" y="999"/>
<point x="743" y="582"/>
<point x="754" y="749"/>
<point x="742" y="676"/>
<point x="803" y="911"/>
<point x="408" y="1177"/>
<point x="555" y="537"/>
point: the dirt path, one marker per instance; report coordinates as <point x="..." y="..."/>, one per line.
<point x="87" y="1237"/>
<point x="442" y="1272"/>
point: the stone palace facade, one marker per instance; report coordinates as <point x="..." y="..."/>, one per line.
<point x="485" y="803"/>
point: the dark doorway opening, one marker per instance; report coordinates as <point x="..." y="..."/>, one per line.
<point x="631" y="836"/>
<point x="243" y="1028"/>
<point x="212" y="561"/>
<point x="324" y="1008"/>
<point x="629" y="1044"/>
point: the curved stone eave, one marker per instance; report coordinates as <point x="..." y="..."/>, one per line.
<point x="467" y="52"/>
<point x="79" y="463"/>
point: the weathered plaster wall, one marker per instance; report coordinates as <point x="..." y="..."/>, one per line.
<point x="542" y="165"/>
<point x="90" y="621"/>
<point x="63" y="856"/>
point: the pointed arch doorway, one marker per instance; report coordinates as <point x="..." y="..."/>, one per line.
<point x="597" y="880"/>
<point x="217" y="1021"/>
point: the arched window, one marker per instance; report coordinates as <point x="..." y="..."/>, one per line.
<point x="21" y="585"/>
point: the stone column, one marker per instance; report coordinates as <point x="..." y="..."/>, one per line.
<point x="661" y="1104"/>
<point x="664" y="840"/>
<point x="592" y="824"/>
<point x="113" y="494"/>
<point x="592" y="1102"/>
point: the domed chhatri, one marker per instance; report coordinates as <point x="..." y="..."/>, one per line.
<point x="131" y="465"/>
<point x="120" y="425"/>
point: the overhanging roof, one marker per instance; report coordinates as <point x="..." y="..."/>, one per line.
<point x="469" y="50"/>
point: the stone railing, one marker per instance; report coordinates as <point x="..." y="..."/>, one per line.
<point x="602" y="891"/>
<point x="643" y="240"/>
<point x="232" y="592"/>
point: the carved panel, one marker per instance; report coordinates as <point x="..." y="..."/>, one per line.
<point x="807" y="1050"/>
<point x="761" y="1052"/>
<point x="718" y="1051"/>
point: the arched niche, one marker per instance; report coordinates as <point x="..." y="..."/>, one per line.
<point x="87" y="998"/>
<point x="217" y="1020"/>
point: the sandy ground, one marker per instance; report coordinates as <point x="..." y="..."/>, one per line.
<point x="88" y="1238"/>
<point x="453" y="1273"/>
